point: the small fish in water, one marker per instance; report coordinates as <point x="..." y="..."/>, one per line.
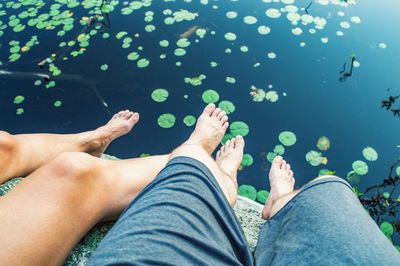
<point x="189" y="32"/>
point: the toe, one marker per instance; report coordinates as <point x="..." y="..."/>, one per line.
<point x="218" y="154"/>
<point x="277" y="162"/>
<point x="239" y="143"/>
<point x="288" y="168"/>
<point x="224" y="119"/>
<point x="227" y="144"/>
<point x="209" y="109"/>
<point x="283" y="165"/>
<point x="216" y="112"/>
<point x="134" y="117"/>
<point x="225" y="126"/>
<point x="221" y="114"/>
<point x="291" y="173"/>
<point x="231" y="144"/>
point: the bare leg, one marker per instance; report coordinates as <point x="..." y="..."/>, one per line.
<point x="47" y="214"/>
<point x="20" y="155"/>
<point x="282" y="187"/>
<point x="209" y="131"/>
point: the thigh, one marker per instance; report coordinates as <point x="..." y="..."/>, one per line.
<point x="181" y="218"/>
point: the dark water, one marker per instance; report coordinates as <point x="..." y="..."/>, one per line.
<point x="316" y="105"/>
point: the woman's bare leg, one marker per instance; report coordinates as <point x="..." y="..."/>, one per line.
<point x="47" y="214"/>
<point x="20" y="155"/>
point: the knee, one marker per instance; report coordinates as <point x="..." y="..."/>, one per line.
<point x="7" y="142"/>
<point x="72" y="164"/>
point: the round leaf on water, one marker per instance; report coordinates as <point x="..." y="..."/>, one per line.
<point x="227" y="106"/>
<point x="360" y="167"/>
<point x="271" y="156"/>
<point x="210" y="96"/>
<point x="387" y="228"/>
<point x="189" y="120"/>
<point x="246" y="161"/>
<point x="166" y="120"/>
<point x="19" y="99"/>
<point x="386" y="195"/>
<point x="142" y="63"/>
<point x="164" y="43"/>
<point x="20" y="111"/>
<point x="159" y="95"/>
<point x="239" y="128"/>
<point x="248" y="191"/>
<point x="353" y="178"/>
<point x="262" y="196"/>
<point x="370" y="154"/>
<point x="230" y="36"/>
<point x="272" y="96"/>
<point x="279" y="150"/>
<point x="57" y="104"/>
<point x="314" y="158"/>
<point x="133" y="56"/>
<point x="287" y="138"/>
<point x="104" y="67"/>
<point x="323" y="143"/>
<point x="325" y="172"/>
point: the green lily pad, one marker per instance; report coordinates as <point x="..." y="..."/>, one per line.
<point x="387" y="228"/>
<point x="133" y="56"/>
<point x="104" y="67"/>
<point x="360" y="167"/>
<point x="189" y="120"/>
<point x="142" y="63"/>
<point x="314" y="158"/>
<point x="166" y="120"/>
<point x="262" y="196"/>
<point x="287" y="138"/>
<point x="271" y="156"/>
<point x="210" y="96"/>
<point x="386" y="195"/>
<point x="326" y="172"/>
<point x="230" y="36"/>
<point x="160" y="95"/>
<point x="164" y="43"/>
<point x="19" y="99"/>
<point x="279" y="150"/>
<point x="227" y="106"/>
<point x="246" y="161"/>
<point x="248" y="191"/>
<point x="20" y="111"/>
<point x="239" y="128"/>
<point x="370" y="154"/>
<point x="353" y="178"/>
<point x="323" y="143"/>
<point x="57" y="104"/>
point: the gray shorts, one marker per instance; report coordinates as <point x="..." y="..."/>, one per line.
<point x="183" y="218"/>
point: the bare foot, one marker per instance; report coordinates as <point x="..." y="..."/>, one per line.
<point x="210" y="128"/>
<point x="120" y="124"/>
<point x="228" y="159"/>
<point x="282" y="183"/>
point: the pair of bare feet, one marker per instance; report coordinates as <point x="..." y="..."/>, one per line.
<point x="209" y="131"/>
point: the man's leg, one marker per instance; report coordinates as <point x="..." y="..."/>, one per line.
<point x="186" y="209"/>
<point x="323" y="223"/>
<point x="45" y="216"/>
<point x="20" y="155"/>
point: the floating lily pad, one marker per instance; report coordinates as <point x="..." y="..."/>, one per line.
<point x="250" y="20"/>
<point x="353" y="178"/>
<point x="239" y="128"/>
<point x="246" y="161"/>
<point x="230" y="80"/>
<point x="323" y="143"/>
<point x="287" y="138"/>
<point x="20" y="111"/>
<point x="272" y="96"/>
<point x="164" y="43"/>
<point x="370" y="154"/>
<point x="279" y="150"/>
<point x="262" y="196"/>
<point x="133" y="56"/>
<point x="360" y="167"/>
<point x="387" y="228"/>
<point x="104" y="67"/>
<point x="326" y="172"/>
<point x="189" y="120"/>
<point x="159" y="95"/>
<point x="314" y="158"/>
<point x="227" y="106"/>
<point x="19" y="99"/>
<point x="248" y="191"/>
<point x="142" y="63"/>
<point x="166" y="120"/>
<point x="57" y="104"/>
<point x="230" y="36"/>
<point x="271" y="156"/>
<point x="180" y="52"/>
<point x="210" y="96"/>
